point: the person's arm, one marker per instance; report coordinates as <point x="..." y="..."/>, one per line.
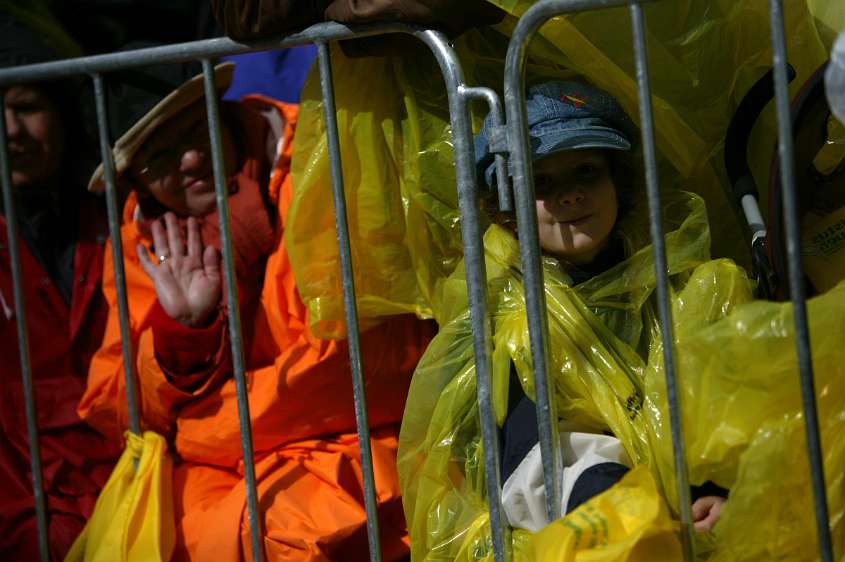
<point x="189" y="332"/>
<point x="251" y="19"/>
<point x="188" y="356"/>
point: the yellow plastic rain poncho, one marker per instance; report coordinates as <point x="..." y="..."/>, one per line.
<point x="740" y="404"/>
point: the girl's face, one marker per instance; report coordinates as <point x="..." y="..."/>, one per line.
<point x="36" y="136"/>
<point x="174" y="164"/>
<point x="576" y="204"/>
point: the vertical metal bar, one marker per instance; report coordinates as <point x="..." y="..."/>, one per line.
<point x="661" y="270"/>
<point x="349" y="302"/>
<point x="231" y="283"/>
<point x="23" y="340"/>
<point x="529" y="249"/>
<point x="471" y="235"/>
<point x="117" y="256"/>
<point x="796" y="280"/>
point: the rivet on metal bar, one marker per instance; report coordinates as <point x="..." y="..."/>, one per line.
<point x="117" y="257"/>
<point x="23" y="340"/>
<point x="476" y="280"/>
<point x="796" y="280"/>
<point x="349" y="301"/>
<point x="231" y="286"/>
<point x="661" y="270"/>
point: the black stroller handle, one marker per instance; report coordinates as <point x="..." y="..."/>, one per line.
<point x="741" y="180"/>
<point x="739" y="130"/>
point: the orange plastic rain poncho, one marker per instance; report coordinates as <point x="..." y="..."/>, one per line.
<point x="301" y="406"/>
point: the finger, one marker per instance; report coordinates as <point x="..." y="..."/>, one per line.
<point x="700" y="508"/>
<point x="211" y="262"/>
<point x="707" y="523"/>
<point x="162" y="248"/>
<point x="194" y="239"/>
<point x="174" y="235"/>
<point x="716" y="510"/>
<point x="146" y="263"/>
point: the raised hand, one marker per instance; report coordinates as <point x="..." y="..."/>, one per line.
<point x="187" y="281"/>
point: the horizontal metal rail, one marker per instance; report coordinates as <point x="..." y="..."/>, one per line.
<point x="194" y="50"/>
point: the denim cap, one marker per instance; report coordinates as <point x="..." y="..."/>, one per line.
<point x="563" y="116"/>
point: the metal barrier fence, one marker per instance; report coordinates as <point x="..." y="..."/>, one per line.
<point x="513" y="140"/>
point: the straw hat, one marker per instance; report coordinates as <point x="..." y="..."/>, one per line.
<point x="177" y="100"/>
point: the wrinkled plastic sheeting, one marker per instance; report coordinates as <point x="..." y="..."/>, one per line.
<point x="399" y="179"/>
<point x="703" y="58"/>
<point x="397" y="153"/>
<point x="737" y="372"/>
<point x="133" y="518"/>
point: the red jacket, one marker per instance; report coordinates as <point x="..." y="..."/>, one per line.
<point x="76" y="460"/>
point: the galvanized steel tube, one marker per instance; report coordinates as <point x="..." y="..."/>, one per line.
<point x="349" y="302"/>
<point x="468" y="197"/>
<point x="231" y="287"/>
<point x="23" y="340"/>
<point x="661" y="270"/>
<point x="181" y="52"/>
<point x="786" y="156"/>
<point x="117" y="257"/>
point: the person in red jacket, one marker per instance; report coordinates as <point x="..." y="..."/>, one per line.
<point x="299" y="386"/>
<point x="62" y="235"/>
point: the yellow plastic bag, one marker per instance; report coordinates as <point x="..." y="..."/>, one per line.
<point x="629" y="521"/>
<point x="133" y="519"/>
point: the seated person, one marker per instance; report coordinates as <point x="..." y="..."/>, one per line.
<point x="62" y="233"/>
<point x="598" y="275"/>
<point x="582" y="194"/>
<point x="310" y="487"/>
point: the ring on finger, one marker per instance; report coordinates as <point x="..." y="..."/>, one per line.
<point x="163" y="258"/>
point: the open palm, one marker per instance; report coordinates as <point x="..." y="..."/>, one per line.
<point x="187" y="280"/>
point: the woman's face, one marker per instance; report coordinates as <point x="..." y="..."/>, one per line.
<point x="174" y="164"/>
<point x="36" y="136"/>
<point x="576" y="204"/>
